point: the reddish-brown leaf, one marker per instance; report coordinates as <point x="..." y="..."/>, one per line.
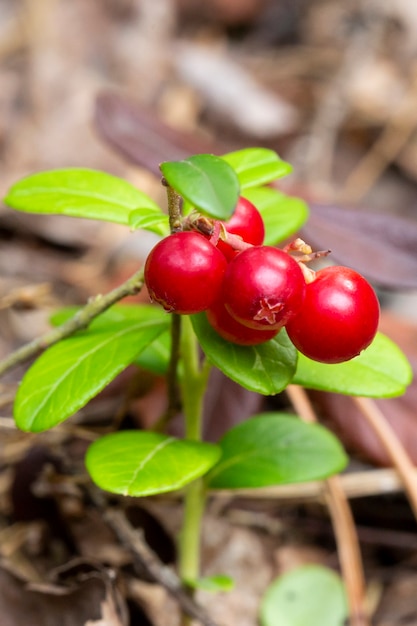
<point x="382" y="247"/>
<point x="143" y="138"/>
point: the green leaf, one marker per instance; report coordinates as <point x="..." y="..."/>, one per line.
<point x="205" y="181"/>
<point x="70" y="373"/>
<point x="257" y="166"/>
<point x="83" y="193"/>
<point x="139" y="463"/>
<point x="275" y="449"/>
<point x="212" y="584"/>
<point x="267" y="368"/>
<point x="154" y="358"/>
<point x="380" y="371"/>
<point x="283" y="215"/>
<point x="310" y="595"/>
<point x="149" y="219"/>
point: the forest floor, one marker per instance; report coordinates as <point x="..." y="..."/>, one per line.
<point x="120" y="86"/>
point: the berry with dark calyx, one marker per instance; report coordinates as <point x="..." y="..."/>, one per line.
<point x="184" y="273"/>
<point x="263" y="288"/>
<point x="339" y="317"/>
<point x="231" y="330"/>
<point x="247" y="223"/>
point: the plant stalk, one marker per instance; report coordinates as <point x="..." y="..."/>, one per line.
<point x="193" y="386"/>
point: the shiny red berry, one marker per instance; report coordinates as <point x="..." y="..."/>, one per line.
<point x="263" y="288"/>
<point x="247" y="222"/>
<point x="231" y="330"/>
<point x="339" y="317"/>
<point x="184" y="273"/>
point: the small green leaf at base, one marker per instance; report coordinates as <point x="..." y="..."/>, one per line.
<point x="267" y="368"/>
<point x="206" y="181"/>
<point x="212" y="584"/>
<point x="380" y="371"/>
<point x="275" y="449"/>
<point x="311" y="595"/>
<point x="139" y="463"/>
<point x="86" y="193"/>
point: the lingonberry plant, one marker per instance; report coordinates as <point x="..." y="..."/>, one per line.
<point x="228" y="296"/>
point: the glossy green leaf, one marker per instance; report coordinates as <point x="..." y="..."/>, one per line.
<point x="380" y="371"/>
<point x="206" y="181"/>
<point x="67" y="375"/>
<point x="212" y="584"/>
<point x="257" y="166"/>
<point x="283" y="215"/>
<point x="267" y="368"/>
<point x="83" y="193"/>
<point x="310" y="595"/>
<point x="275" y="449"/>
<point x="140" y="463"/>
<point x="149" y="219"/>
<point x="154" y="358"/>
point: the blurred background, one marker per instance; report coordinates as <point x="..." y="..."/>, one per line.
<point x="120" y="85"/>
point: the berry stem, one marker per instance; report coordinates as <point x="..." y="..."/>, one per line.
<point x="174" y="208"/>
<point x="208" y="227"/>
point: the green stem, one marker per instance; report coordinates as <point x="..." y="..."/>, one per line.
<point x="193" y="386"/>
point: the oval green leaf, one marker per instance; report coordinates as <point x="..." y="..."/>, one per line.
<point x="212" y="584"/>
<point x="380" y="371"/>
<point x="67" y="375"/>
<point x="149" y="219"/>
<point x="257" y="166"/>
<point x="154" y="358"/>
<point x="139" y="463"/>
<point x="267" y="368"/>
<point x="283" y="215"/>
<point x="275" y="449"/>
<point x="311" y="594"/>
<point x="205" y="181"/>
<point x="86" y="193"/>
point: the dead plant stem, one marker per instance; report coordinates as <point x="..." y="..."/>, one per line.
<point x="343" y="523"/>
<point x="82" y="319"/>
<point x="393" y="447"/>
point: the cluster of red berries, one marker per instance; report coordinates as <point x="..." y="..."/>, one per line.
<point x="249" y="295"/>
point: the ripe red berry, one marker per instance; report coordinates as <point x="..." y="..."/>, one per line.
<point x="184" y="273"/>
<point x="231" y="330"/>
<point x="263" y="288"/>
<point x="247" y="222"/>
<point x="339" y="317"/>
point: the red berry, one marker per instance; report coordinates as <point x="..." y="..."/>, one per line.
<point x="184" y="273"/>
<point x="263" y="288"/>
<point x="231" y="330"/>
<point x="247" y="222"/>
<point x="339" y="317"/>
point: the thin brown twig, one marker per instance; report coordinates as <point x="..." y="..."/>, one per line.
<point x="343" y="523"/>
<point x="393" y="447"/>
<point x="146" y="559"/>
<point x="82" y="319"/>
<point x="358" y="484"/>
<point x="396" y="134"/>
<point x="318" y="148"/>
